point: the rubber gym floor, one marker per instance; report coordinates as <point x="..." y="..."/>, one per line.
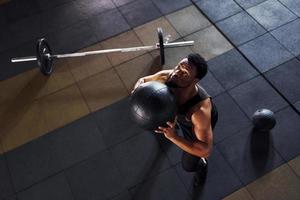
<point x="69" y="135"/>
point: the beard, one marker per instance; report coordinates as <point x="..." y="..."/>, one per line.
<point x="171" y="84"/>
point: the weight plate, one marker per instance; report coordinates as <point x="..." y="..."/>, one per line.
<point x="44" y="59"/>
<point x="161" y="45"/>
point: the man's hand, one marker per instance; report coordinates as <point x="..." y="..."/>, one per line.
<point x="168" y="131"/>
<point x="137" y="84"/>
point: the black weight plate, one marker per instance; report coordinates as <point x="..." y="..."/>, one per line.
<point x="43" y="52"/>
<point x="161" y="45"/>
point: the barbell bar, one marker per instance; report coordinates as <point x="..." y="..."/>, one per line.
<point x="44" y="56"/>
<point x="122" y="50"/>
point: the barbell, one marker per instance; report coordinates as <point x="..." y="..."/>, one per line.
<point x="45" y="58"/>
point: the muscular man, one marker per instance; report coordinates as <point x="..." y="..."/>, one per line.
<point x="196" y="117"/>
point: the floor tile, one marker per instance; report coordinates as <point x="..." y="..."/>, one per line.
<point x="297" y="105"/>
<point x="125" y="195"/>
<point x="293" y="5"/>
<point x="96" y="177"/>
<point x="265" y="52"/>
<point x="271" y="14"/>
<point x="55" y="187"/>
<point x="32" y="162"/>
<point x="77" y="141"/>
<point x="93" y="7"/>
<point x="125" y="40"/>
<point x="99" y="91"/>
<point x="63" y="107"/>
<point x="209" y="43"/>
<point x="286" y="133"/>
<point x="196" y="20"/>
<point x="15" y="87"/>
<point x="23" y="125"/>
<point x="218" y="9"/>
<point x="6" y="41"/>
<point x="3" y="17"/>
<point x="139" y="158"/>
<point x="241" y="28"/>
<point x="240" y="194"/>
<point x="112" y="19"/>
<point x="139" y="12"/>
<point x="228" y="124"/>
<point x="286" y="79"/>
<point x="250" y="154"/>
<point x="65" y="15"/>
<point x="73" y="38"/>
<point x="6" y="187"/>
<point x="59" y="79"/>
<point x="281" y="183"/>
<point x="166" y="185"/>
<point x="249" y="3"/>
<point x="134" y="69"/>
<point x="122" y="123"/>
<point x="122" y="2"/>
<point x="289" y="36"/>
<point x="45" y="4"/>
<point x="12" y="197"/>
<point x="220" y="180"/>
<point x="169" y="6"/>
<point x="257" y="94"/>
<point x="84" y="67"/>
<point x="15" y="10"/>
<point x="211" y="85"/>
<point x="148" y="32"/>
<point x="174" y="55"/>
<point x="295" y="165"/>
<point x="26" y="29"/>
<point x="231" y="69"/>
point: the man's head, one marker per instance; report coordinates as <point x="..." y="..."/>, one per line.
<point x="188" y="71"/>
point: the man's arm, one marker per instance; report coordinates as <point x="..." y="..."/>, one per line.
<point x="159" y="76"/>
<point x="202" y="128"/>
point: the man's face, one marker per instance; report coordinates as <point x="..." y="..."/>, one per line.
<point x="183" y="74"/>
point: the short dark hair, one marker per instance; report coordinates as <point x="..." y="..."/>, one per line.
<point x="200" y="64"/>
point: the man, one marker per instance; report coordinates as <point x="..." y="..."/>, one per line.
<point x="196" y="117"/>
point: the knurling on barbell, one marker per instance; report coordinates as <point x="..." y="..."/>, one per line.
<point x="44" y="56"/>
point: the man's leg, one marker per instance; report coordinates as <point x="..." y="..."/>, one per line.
<point x="191" y="163"/>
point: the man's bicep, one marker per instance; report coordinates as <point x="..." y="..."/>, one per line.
<point x="202" y="125"/>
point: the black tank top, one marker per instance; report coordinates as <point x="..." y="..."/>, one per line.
<point x="184" y="108"/>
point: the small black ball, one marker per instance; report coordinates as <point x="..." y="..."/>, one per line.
<point x="263" y="120"/>
<point x="152" y="105"/>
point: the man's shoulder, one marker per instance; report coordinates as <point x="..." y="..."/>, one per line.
<point x="203" y="106"/>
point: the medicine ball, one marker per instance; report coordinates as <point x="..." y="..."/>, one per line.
<point x="152" y="105"/>
<point x="263" y="120"/>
